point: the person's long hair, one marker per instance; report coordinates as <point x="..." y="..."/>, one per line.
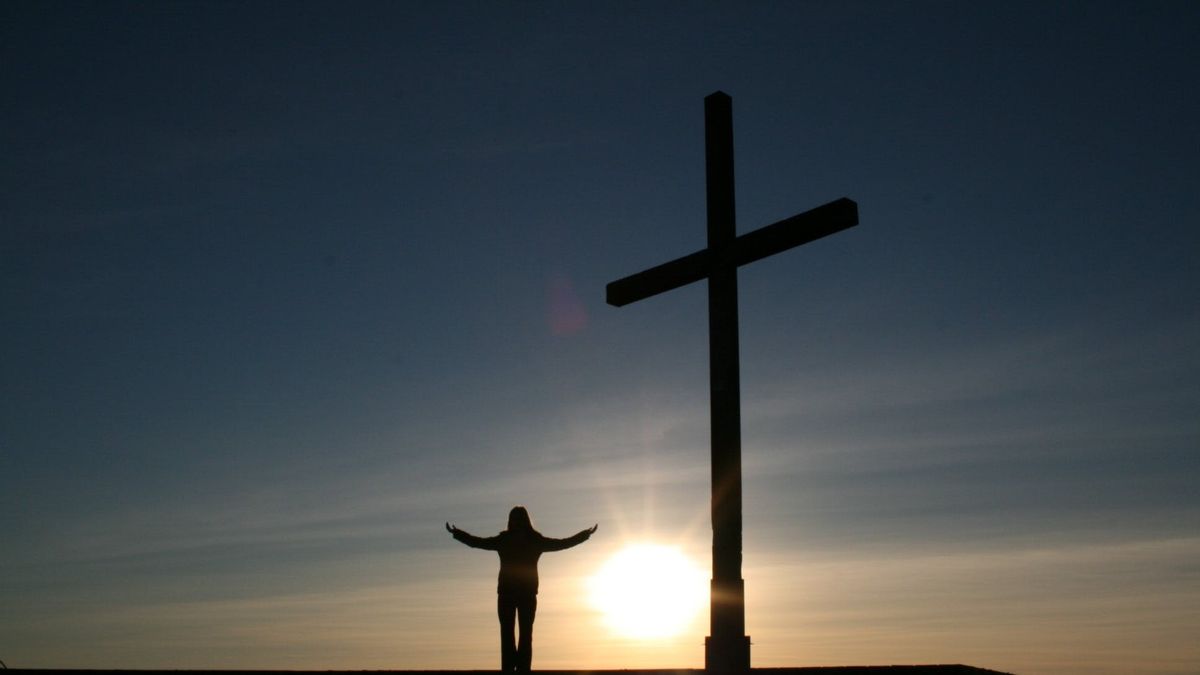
<point x="519" y="520"/>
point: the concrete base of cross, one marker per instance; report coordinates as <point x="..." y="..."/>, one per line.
<point x="730" y="656"/>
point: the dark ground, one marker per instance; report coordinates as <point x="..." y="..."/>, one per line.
<point x="953" y="669"/>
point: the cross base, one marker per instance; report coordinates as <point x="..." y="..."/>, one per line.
<point x="727" y="656"/>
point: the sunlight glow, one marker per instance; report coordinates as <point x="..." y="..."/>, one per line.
<point x="647" y="591"/>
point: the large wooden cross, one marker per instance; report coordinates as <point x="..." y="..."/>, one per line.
<point x="727" y="648"/>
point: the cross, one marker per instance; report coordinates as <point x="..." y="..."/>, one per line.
<point x="727" y="648"/>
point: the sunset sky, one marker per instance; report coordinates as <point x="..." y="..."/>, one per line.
<point x="286" y="286"/>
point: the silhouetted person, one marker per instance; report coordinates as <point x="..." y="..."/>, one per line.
<point x="519" y="547"/>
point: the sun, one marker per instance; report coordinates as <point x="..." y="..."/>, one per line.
<point x="647" y="591"/>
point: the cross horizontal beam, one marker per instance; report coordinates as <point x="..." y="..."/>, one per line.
<point x="788" y="233"/>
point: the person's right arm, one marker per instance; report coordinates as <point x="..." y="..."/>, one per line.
<point x="486" y="543"/>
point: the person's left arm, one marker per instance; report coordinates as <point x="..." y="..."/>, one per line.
<point x="551" y="544"/>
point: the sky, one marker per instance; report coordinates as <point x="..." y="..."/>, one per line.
<point x="284" y="287"/>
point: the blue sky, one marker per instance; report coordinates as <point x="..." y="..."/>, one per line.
<point x="285" y="287"/>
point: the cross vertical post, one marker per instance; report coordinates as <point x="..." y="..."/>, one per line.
<point x="727" y="648"/>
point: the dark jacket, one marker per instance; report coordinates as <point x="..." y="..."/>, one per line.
<point x="519" y="552"/>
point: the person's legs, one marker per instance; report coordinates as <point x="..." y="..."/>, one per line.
<point x="526" y="609"/>
<point x="506" y="608"/>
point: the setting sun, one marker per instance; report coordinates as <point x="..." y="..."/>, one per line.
<point x="648" y="591"/>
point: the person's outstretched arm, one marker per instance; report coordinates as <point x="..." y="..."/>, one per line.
<point x="486" y="543"/>
<point x="550" y="544"/>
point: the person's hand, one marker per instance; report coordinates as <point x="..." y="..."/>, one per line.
<point x="451" y="529"/>
<point x="591" y="530"/>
